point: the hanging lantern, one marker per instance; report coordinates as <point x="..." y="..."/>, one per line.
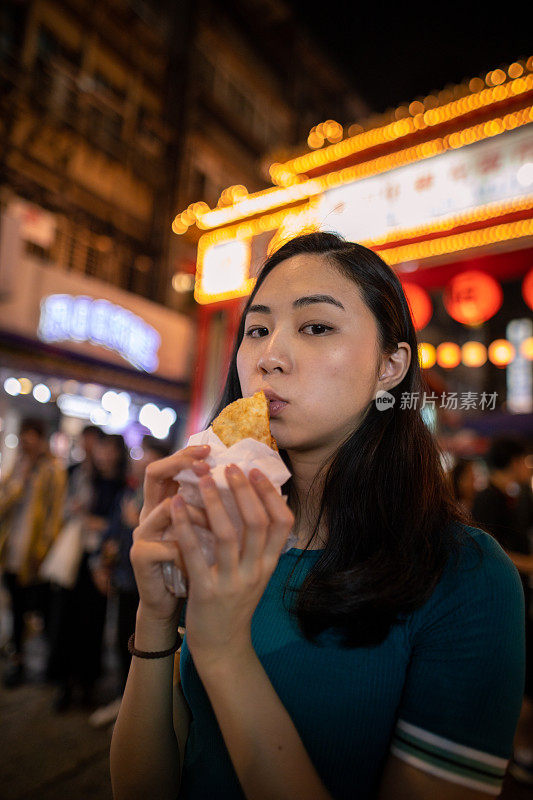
<point x="426" y="355"/>
<point x="527" y="288"/>
<point x="474" y="354"/>
<point x="448" y="355"/>
<point x="526" y="348"/>
<point x="472" y="297"/>
<point x="501" y="352"/>
<point x="419" y="303"/>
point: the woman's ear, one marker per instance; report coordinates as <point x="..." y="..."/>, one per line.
<point x="394" y="366"/>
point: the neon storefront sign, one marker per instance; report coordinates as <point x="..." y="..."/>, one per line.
<point x="99" y="322"/>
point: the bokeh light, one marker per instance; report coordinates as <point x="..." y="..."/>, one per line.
<point x="474" y="354"/>
<point x="501" y="352"/>
<point x="427" y="355"/>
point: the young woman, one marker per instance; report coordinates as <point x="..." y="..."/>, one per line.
<point x="380" y="658"/>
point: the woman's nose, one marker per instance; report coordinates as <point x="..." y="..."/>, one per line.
<point x="270" y="367"/>
<point x="274" y="357"/>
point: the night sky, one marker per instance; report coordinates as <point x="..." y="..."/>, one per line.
<point x="392" y="57"/>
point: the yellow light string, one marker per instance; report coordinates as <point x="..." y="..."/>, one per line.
<point x="276" y="197"/>
<point x="416" y="251"/>
<point x="407" y="126"/>
<point x="481" y="213"/>
<point x="460" y="241"/>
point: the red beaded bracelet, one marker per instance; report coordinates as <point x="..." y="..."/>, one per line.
<point x="157" y="654"/>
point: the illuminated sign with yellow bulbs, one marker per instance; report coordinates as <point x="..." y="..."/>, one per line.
<point x="224" y="272"/>
<point x="416" y="117"/>
<point x="406" y="203"/>
<point x="413" y="195"/>
<point x="440" y="194"/>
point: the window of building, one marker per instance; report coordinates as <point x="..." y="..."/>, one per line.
<point x="204" y="70"/>
<point x="106" y="87"/>
<point x="11" y="27"/>
<point x="49" y="47"/>
<point x="147" y="132"/>
<point x="239" y="105"/>
<point x="104" y="126"/>
<point x="197" y="184"/>
<point x="71" y="252"/>
<point x="35" y="250"/>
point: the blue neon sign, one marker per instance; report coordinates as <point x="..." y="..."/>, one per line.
<point x="84" y="319"/>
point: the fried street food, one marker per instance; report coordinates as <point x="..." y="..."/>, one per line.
<point x="245" y="418"/>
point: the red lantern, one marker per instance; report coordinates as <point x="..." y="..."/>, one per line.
<point x="419" y="303"/>
<point x="472" y="297"/>
<point x="527" y="288"/>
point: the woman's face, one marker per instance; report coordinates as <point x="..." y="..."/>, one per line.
<point x="320" y="356"/>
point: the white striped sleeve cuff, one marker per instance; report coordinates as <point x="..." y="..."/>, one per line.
<point x="447" y="759"/>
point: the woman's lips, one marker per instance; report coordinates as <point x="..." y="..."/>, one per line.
<point x="276" y="407"/>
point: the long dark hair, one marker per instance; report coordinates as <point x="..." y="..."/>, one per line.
<point x="392" y="521"/>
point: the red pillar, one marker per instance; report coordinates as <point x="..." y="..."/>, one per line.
<point x="231" y="311"/>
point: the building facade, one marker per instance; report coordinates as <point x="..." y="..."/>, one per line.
<point x="113" y="115"/>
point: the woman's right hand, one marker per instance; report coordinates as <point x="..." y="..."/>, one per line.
<point x="149" y="551"/>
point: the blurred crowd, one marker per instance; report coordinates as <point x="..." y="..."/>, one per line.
<point x="65" y="536"/>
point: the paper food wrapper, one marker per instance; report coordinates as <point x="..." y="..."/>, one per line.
<point x="247" y="454"/>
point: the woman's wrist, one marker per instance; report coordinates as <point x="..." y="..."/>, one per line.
<point x="154" y="634"/>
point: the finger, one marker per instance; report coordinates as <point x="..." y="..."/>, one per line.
<point x="219" y="522"/>
<point x="198" y="571"/>
<point x="254" y="516"/>
<point x="158" y="478"/>
<point x="200" y="467"/>
<point x="281" y="517"/>
<point x="198" y="516"/>
<point x="147" y="554"/>
<point x="153" y="526"/>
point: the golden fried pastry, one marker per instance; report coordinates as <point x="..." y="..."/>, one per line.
<point x="243" y="419"/>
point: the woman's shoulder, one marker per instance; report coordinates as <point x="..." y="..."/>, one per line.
<point x="479" y="580"/>
<point x="477" y="550"/>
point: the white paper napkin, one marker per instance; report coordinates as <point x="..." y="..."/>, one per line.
<point x="247" y="454"/>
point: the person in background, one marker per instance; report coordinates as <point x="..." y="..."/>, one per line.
<point x="31" y="504"/>
<point x="81" y="477"/>
<point x="114" y="571"/>
<point x="78" y="655"/>
<point x="82" y="472"/>
<point x="463" y="482"/>
<point x="505" y="509"/>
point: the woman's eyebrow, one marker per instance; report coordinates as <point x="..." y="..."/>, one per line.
<point x="308" y="300"/>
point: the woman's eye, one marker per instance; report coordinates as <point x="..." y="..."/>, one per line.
<point x="252" y="331"/>
<point x="315" y="325"/>
<point x="318" y="330"/>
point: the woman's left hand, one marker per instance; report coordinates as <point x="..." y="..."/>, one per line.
<point x="222" y="598"/>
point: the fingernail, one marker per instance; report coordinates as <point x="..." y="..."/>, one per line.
<point x="232" y="469"/>
<point x="178" y="502"/>
<point x="256" y="475"/>
<point x="200" y="464"/>
<point x="207" y="482"/>
<point x="201" y="448"/>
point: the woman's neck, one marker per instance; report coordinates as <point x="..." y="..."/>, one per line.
<point x="306" y="496"/>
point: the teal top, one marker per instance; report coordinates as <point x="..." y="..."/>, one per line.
<point x="442" y="692"/>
